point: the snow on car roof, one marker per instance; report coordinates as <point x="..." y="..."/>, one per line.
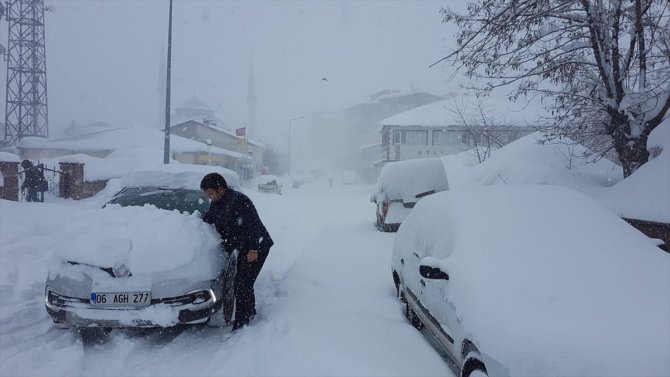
<point x="178" y="176"/>
<point x="405" y="179"/>
<point x="552" y="268"/>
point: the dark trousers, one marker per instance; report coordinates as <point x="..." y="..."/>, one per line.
<point x="32" y="196"/>
<point x="245" y="298"/>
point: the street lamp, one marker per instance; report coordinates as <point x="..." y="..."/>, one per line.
<point x="289" y="142"/>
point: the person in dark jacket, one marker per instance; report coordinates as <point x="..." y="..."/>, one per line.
<point x="235" y="218"/>
<point x="33" y="181"/>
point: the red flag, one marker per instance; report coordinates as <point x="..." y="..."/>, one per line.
<point x="240" y="131"/>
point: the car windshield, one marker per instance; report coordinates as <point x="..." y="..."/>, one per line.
<point x="183" y="200"/>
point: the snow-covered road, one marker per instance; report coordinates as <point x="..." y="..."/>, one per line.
<point x="325" y="299"/>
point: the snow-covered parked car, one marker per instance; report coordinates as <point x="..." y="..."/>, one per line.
<point x="533" y="280"/>
<point x="269" y="183"/>
<point x="144" y="260"/>
<point x="401" y="185"/>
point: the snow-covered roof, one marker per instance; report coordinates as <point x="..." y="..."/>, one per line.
<point x="437" y="114"/>
<point x="219" y="129"/>
<point x="124" y="137"/>
<point x="9" y="157"/>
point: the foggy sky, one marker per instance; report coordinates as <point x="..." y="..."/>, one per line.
<point x="103" y="57"/>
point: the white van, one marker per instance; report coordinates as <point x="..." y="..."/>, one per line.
<point x="401" y="184"/>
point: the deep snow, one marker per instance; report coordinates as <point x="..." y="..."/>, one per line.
<point x="325" y="298"/>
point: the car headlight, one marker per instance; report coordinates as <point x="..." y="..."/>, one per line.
<point x="201" y="296"/>
<point x="53" y="299"/>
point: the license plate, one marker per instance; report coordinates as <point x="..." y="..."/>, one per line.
<point x="121" y="298"/>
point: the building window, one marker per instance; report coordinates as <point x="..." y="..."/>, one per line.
<point x="410" y="137"/>
<point x="474" y="138"/>
<point x="447" y="138"/>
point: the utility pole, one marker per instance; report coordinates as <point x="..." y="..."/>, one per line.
<point x="166" y="147"/>
<point x="26" y="111"/>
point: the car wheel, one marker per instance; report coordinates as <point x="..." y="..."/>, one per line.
<point x="396" y="282"/>
<point x="474" y="368"/>
<point x="229" y="294"/>
<point x="412" y="317"/>
<point x="389" y="228"/>
<point x="228" y="304"/>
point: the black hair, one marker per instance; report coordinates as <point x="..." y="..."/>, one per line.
<point x="213" y="181"/>
<point x="26" y="164"/>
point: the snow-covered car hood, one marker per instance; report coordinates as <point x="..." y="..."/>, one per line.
<point x="144" y="240"/>
<point x="546" y="280"/>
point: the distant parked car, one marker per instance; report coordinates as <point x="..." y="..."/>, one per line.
<point x="269" y="184"/>
<point x="401" y="185"/>
<point x="136" y="273"/>
<point x="534" y="281"/>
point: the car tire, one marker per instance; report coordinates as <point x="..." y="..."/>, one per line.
<point x="474" y="368"/>
<point x="385" y="228"/>
<point x="396" y="283"/>
<point x="228" y="305"/>
<point x="412" y="317"/>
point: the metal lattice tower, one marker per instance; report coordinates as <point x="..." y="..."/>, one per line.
<point x="26" y="107"/>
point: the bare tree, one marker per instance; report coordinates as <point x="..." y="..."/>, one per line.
<point x="481" y="127"/>
<point x="601" y="67"/>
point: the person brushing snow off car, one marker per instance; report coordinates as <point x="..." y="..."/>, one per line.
<point x="235" y="218"/>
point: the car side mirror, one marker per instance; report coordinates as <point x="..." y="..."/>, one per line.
<point x="421" y="195"/>
<point x="430" y="272"/>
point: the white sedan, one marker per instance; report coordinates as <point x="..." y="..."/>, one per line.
<point x="146" y="259"/>
<point x="534" y="281"/>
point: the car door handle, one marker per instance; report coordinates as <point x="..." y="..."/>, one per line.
<point x="422" y="282"/>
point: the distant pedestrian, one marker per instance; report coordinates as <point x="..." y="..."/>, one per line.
<point x="33" y="181"/>
<point x="235" y="218"/>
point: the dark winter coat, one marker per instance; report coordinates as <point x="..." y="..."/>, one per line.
<point x="33" y="180"/>
<point x="237" y="221"/>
